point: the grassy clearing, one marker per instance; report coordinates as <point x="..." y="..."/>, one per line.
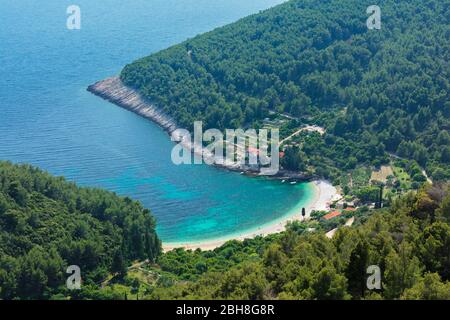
<point x="360" y="177"/>
<point x="403" y="177"/>
<point x="382" y="174"/>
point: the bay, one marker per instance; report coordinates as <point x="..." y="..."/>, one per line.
<point x="48" y="119"/>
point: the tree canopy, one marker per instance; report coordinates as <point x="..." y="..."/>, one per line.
<point x="48" y="224"/>
<point x="409" y="242"/>
<point x="376" y="92"/>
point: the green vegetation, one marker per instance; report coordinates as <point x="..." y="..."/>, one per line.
<point x="360" y="177"/>
<point x="190" y="265"/>
<point x="403" y="177"/>
<point x="48" y="224"/>
<point x="383" y="98"/>
<point x="374" y="91"/>
<point x="410" y="243"/>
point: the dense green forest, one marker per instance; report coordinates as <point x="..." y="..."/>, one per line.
<point x="382" y="96"/>
<point x="410" y="242"/>
<point x="375" y="91"/>
<point x="48" y="224"/>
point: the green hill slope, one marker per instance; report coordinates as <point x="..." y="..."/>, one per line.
<point x="47" y="224"/>
<point x="409" y="242"/>
<point x="376" y="92"/>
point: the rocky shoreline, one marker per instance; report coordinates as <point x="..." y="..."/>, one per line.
<point x="113" y="90"/>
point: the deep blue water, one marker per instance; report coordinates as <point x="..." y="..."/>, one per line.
<point x="48" y="119"/>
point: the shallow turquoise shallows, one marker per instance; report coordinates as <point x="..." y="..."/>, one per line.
<point x="48" y="119"/>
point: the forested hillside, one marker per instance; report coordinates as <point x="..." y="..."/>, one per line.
<point x="48" y="224"/>
<point x="382" y="97"/>
<point x="375" y="91"/>
<point x="410" y="243"/>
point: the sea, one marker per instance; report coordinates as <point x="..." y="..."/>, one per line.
<point x="48" y="119"/>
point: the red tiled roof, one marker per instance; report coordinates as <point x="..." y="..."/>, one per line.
<point x="332" y="215"/>
<point x="350" y="209"/>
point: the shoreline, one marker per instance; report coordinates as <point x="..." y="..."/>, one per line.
<point x="113" y="90"/>
<point x="324" y="194"/>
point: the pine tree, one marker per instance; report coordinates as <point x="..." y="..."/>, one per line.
<point x="118" y="264"/>
<point x="356" y="270"/>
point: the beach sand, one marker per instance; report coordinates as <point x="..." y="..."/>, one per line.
<point x="113" y="90"/>
<point x="324" y="195"/>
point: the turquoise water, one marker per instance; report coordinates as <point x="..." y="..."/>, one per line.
<point x="48" y="119"/>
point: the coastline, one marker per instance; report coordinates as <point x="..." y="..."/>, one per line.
<point x="113" y="90"/>
<point x="324" y="194"/>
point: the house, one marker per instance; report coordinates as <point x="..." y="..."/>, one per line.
<point x="332" y="215"/>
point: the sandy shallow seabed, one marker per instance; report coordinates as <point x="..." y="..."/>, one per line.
<point x="113" y="90"/>
<point x="324" y="195"/>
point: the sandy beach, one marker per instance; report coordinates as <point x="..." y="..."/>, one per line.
<point x="324" y="195"/>
<point x="113" y="90"/>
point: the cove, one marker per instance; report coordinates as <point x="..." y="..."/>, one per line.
<point x="49" y="120"/>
